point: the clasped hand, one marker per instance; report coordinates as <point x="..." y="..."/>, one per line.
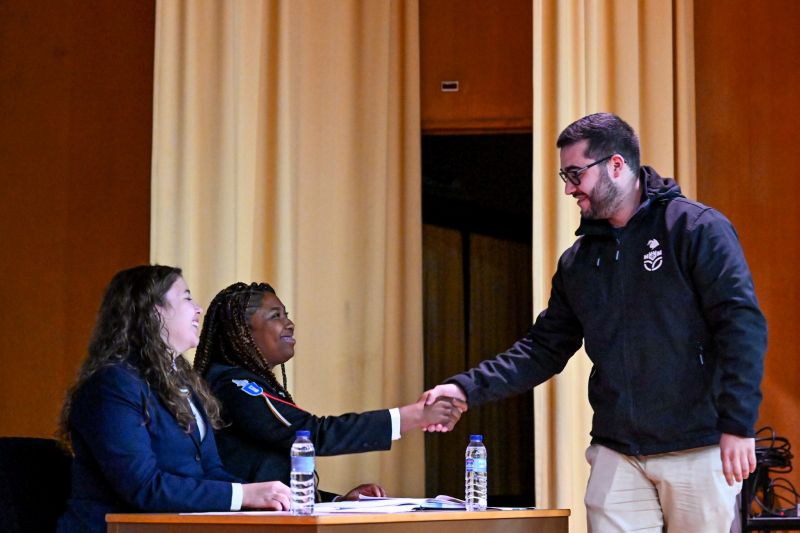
<point x="448" y="401"/>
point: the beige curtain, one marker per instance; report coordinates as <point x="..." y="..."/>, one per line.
<point x="633" y="58"/>
<point x="286" y="149"/>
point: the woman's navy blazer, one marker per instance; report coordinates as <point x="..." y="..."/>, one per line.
<point x="131" y="455"/>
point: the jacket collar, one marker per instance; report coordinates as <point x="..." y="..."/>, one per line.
<point x="656" y="189"/>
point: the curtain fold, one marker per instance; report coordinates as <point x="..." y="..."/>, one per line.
<point x="287" y="149"/>
<point x="635" y="59"/>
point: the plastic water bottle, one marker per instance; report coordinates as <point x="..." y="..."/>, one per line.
<point x="302" y="477"/>
<point x="475" y="475"/>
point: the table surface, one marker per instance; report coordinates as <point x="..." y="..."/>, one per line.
<point x="337" y="518"/>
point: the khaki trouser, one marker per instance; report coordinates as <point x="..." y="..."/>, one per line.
<point x="675" y="492"/>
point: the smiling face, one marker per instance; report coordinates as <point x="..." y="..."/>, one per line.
<point x="272" y="330"/>
<point x="598" y="196"/>
<point x="181" y="318"/>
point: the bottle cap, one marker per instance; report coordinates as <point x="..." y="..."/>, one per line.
<point x="476" y="437"/>
<point x="303" y="433"/>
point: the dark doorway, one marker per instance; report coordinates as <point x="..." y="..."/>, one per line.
<point x="477" y="298"/>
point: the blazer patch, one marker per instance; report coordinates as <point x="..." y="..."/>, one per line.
<point x="253" y="389"/>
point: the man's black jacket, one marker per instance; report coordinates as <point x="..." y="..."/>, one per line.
<point x="667" y="311"/>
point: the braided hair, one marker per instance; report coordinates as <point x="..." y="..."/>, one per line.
<point x="226" y="337"/>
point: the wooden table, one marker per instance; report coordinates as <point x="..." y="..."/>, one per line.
<point x="533" y="521"/>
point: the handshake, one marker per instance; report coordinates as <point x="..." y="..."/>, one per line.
<point x="438" y="409"/>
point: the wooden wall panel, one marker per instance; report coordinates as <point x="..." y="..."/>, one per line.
<point x="444" y="341"/>
<point x="76" y="85"/>
<point x="498" y="295"/>
<point x="500" y="308"/>
<point x="485" y="45"/>
<point x="748" y="119"/>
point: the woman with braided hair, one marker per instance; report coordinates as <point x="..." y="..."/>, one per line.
<point x="138" y="419"/>
<point x="246" y="334"/>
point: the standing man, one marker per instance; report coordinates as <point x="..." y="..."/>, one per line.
<point x="657" y="288"/>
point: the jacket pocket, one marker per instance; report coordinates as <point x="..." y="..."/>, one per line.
<point x="705" y="364"/>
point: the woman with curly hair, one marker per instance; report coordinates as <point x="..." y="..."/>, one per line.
<point x="139" y="419"/>
<point x="246" y="334"/>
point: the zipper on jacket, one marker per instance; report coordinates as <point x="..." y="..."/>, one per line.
<point x="700" y="354"/>
<point x="634" y="433"/>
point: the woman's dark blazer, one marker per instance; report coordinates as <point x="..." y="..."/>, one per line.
<point x="131" y="455"/>
<point x="262" y="424"/>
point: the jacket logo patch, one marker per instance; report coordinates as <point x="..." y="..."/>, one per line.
<point x="654" y="258"/>
<point x="253" y="389"/>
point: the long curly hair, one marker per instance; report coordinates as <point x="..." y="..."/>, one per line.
<point x="129" y="330"/>
<point x="226" y="337"/>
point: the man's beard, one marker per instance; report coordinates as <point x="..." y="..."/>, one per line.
<point x="604" y="200"/>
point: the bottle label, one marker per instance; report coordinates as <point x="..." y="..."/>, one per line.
<point x="302" y="464"/>
<point x="476" y="465"/>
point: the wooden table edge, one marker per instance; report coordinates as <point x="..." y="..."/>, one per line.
<point x="337" y="518"/>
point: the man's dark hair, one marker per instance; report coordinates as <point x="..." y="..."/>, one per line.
<point x="607" y="134"/>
